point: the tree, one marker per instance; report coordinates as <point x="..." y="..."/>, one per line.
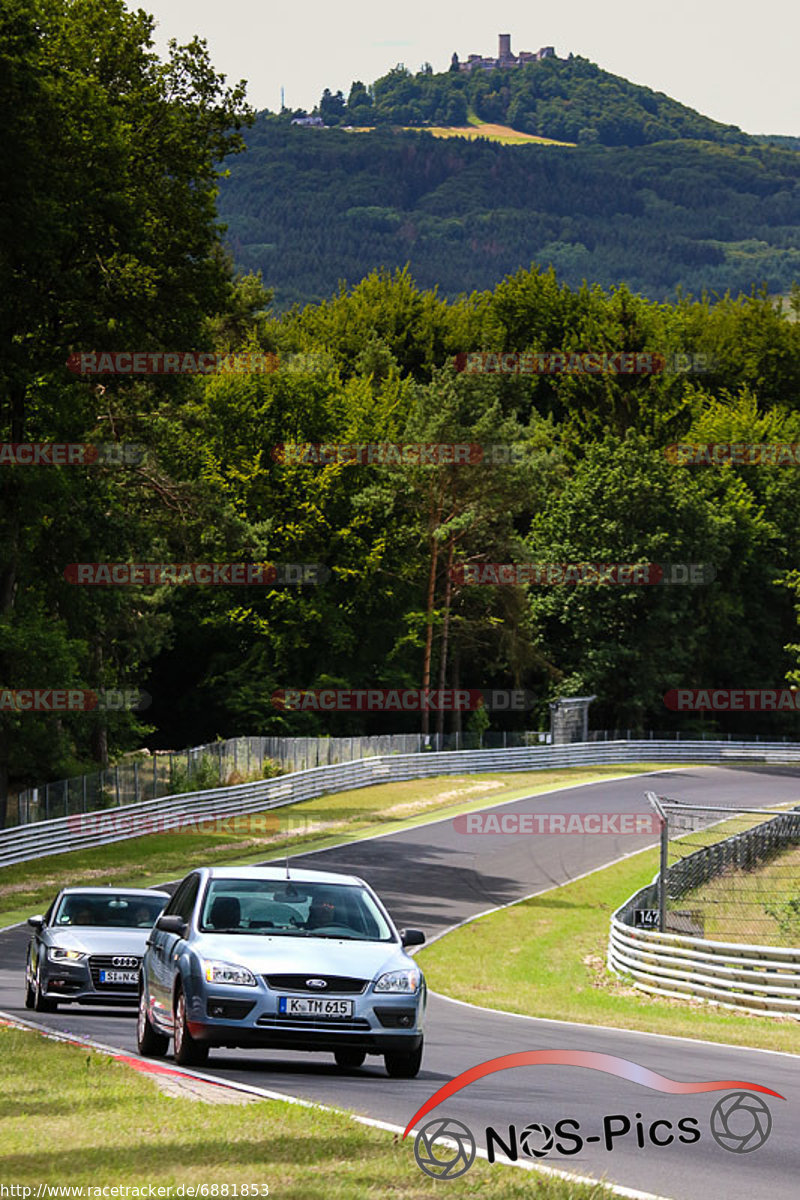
<point x="108" y="238"/>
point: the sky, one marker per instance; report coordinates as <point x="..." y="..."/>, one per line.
<point x="730" y="61"/>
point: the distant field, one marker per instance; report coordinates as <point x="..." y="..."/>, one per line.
<point x="495" y="133"/>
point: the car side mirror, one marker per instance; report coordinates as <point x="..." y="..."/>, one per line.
<point x="172" y="924"/>
<point x="36" y="923"/>
<point x="412" y="937"/>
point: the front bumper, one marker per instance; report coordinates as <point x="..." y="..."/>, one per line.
<point x="79" y="983"/>
<point x="240" y="1016"/>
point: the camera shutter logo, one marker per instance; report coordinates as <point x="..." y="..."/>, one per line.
<point x="444" y="1162"/>
<point x="740" y="1122"/>
<point x="536" y="1140"/>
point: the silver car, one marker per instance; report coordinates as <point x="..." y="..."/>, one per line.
<point x="87" y="948"/>
<point x="258" y="956"/>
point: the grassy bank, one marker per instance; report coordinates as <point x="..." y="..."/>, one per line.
<point x="545" y="957"/>
<point x="109" y="1125"/>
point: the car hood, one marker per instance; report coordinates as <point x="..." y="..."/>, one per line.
<point x="295" y="955"/>
<point x="92" y="940"/>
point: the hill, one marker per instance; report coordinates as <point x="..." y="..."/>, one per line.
<point x="313" y="207"/>
<point x="570" y="100"/>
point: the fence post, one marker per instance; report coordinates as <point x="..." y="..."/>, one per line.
<point x="136" y="781"/>
<point x="116" y="782"/>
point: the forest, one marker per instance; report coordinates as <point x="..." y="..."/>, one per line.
<point x="310" y="207"/>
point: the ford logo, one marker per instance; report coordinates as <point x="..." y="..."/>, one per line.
<point x="121" y="961"/>
<point x="316" y="983"/>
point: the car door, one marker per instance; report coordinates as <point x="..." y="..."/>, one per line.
<point x="162" y="960"/>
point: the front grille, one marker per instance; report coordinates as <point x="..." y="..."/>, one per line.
<point x="279" y="1021"/>
<point x="334" y="983"/>
<point x="105" y="962"/>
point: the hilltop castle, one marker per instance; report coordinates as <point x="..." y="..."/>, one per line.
<point x="477" y="62"/>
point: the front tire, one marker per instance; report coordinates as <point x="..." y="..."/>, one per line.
<point x="186" y="1051"/>
<point x="42" y="1003"/>
<point x="151" y="1043"/>
<point x="403" y="1066"/>
<point x="349" y="1060"/>
<point x="30" y="994"/>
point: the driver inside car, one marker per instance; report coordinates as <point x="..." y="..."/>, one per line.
<point x="323" y="911"/>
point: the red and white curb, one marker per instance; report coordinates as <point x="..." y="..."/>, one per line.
<point x="147" y="1066"/>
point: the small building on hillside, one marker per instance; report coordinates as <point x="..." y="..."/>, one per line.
<point x="505" y="57"/>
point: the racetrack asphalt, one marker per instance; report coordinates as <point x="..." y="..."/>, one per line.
<point x="433" y="877"/>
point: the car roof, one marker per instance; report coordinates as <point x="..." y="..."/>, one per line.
<point x="279" y="873"/>
<point x="112" y="891"/>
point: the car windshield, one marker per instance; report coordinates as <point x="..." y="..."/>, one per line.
<point x="287" y="909"/>
<point x="117" y="910"/>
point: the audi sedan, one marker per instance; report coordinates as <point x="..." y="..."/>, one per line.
<point x="261" y="957"/>
<point x="87" y="948"/>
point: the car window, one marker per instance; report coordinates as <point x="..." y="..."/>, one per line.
<point x="116" y="910"/>
<point x="182" y="903"/>
<point x="280" y="907"/>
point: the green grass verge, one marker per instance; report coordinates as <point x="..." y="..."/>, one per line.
<point x="28" y="888"/>
<point x="74" y="1117"/>
<point x="761" y="906"/>
<point x="545" y="957"/>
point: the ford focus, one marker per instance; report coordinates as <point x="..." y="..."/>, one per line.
<point x="261" y="958"/>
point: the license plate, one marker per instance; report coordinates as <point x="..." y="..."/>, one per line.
<point x="119" y="976"/>
<point x="313" y="1006"/>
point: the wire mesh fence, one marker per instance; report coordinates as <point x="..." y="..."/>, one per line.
<point x="227" y="762"/>
<point x="732" y="875"/>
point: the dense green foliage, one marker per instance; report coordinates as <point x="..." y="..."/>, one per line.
<point x="569" y="99"/>
<point x="124" y="254"/>
<point x="310" y="207"/>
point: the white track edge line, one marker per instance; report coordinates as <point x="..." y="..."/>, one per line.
<point x="264" y="1093"/>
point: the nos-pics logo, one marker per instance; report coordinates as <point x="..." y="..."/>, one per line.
<point x="445" y="1148"/>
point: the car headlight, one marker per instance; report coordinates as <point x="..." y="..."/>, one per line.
<point x="399" y="981"/>
<point x="56" y="954"/>
<point x="220" y="972"/>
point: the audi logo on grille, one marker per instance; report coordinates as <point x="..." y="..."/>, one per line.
<point x="121" y="961"/>
<point x="316" y="983"/>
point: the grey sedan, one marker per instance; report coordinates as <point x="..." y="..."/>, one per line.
<point x="258" y="956"/>
<point x="87" y="948"/>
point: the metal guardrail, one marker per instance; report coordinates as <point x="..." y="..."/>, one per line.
<point x="751" y="978"/>
<point x="149" y="776"/>
<point x="57" y="836"/>
<point x="762" y="980"/>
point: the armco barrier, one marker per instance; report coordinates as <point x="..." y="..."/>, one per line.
<point x="753" y="979"/>
<point x="26" y="842"/>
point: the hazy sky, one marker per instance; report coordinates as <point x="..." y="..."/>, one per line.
<point x="730" y="60"/>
